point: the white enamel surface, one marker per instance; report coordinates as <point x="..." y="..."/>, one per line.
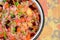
<point x="41" y="14"/>
<point x="1" y="0"/>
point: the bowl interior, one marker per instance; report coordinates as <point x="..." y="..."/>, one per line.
<point x="42" y="19"/>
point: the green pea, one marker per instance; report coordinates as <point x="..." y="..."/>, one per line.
<point x="24" y="33"/>
<point x="16" y="3"/>
<point x="0" y="32"/>
<point x="5" y="36"/>
<point x="12" y="15"/>
<point x="4" y="0"/>
<point x="13" y="30"/>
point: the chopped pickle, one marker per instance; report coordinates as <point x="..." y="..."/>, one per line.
<point x="5" y="36"/>
<point x="0" y="32"/>
<point x="29" y="12"/>
<point x="19" y="14"/>
<point x="16" y="3"/>
<point x="13" y="30"/>
<point x="4" y="0"/>
<point x="23" y="32"/>
<point x="12" y="15"/>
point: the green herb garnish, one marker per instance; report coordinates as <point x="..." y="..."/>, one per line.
<point x="12" y="15"/>
<point x="4" y="0"/>
<point x="32" y="30"/>
<point x="19" y="14"/>
<point x="5" y="36"/>
<point x="24" y="33"/>
<point x="3" y="15"/>
<point x="0" y="32"/>
<point x="16" y="3"/>
<point x="13" y="30"/>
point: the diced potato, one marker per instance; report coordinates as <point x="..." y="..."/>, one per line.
<point x="25" y="25"/>
<point x="1" y="3"/>
<point x="0" y="15"/>
<point x="29" y="24"/>
<point x="29" y="12"/>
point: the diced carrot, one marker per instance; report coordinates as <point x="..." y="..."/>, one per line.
<point x="28" y="37"/>
<point x="25" y="26"/>
<point x="2" y="34"/>
<point x="22" y="19"/>
<point x="1" y="28"/>
<point x="29" y="18"/>
<point x="18" y="30"/>
<point x="17" y="21"/>
<point x="0" y="15"/>
<point x="1" y="31"/>
<point x="9" y="29"/>
<point x="6" y="5"/>
<point x="19" y="6"/>
<point x="12" y="38"/>
<point x="17" y="11"/>
<point x="25" y="8"/>
<point x="34" y="28"/>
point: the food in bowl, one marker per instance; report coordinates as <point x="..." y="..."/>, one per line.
<point x="19" y="19"/>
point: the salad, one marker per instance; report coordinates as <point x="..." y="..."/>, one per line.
<point x="19" y="19"/>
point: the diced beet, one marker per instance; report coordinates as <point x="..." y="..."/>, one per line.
<point x="20" y="1"/>
<point x="1" y="7"/>
<point x="10" y="2"/>
<point x="39" y="18"/>
<point x="33" y="8"/>
<point x="30" y="28"/>
<point x="34" y="23"/>
<point x="16" y="28"/>
<point x="7" y="22"/>
<point x="6" y="26"/>
<point x="32" y="34"/>
<point x="21" y="16"/>
<point x="2" y="38"/>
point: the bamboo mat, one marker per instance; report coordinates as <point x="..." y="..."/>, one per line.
<point x="51" y="30"/>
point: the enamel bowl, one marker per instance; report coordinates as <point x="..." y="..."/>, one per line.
<point x="41" y="16"/>
<point x="42" y="19"/>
